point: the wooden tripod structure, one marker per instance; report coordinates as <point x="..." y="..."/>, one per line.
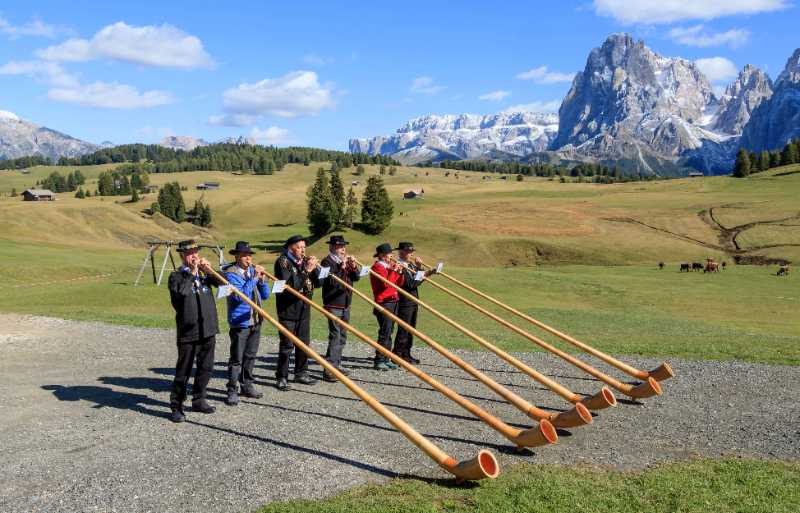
<point x="155" y="245"/>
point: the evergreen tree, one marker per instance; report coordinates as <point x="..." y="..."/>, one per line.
<point x="382" y="170"/>
<point x="337" y="196"/>
<point x="774" y="159"/>
<point x="789" y="154"/>
<point x="205" y="217"/>
<point x="753" y="162"/>
<point x="392" y="171"/>
<point x="351" y="210"/>
<point x="155" y="208"/>
<point x="360" y="171"/>
<point x="320" y="214"/>
<point x="80" y="194"/>
<point x="741" y="168"/>
<point x="763" y="161"/>
<point x="14" y="192"/>
<point x="170" y="202"/>
<point x="134" y="196"/>
<point x="376" y="207"/>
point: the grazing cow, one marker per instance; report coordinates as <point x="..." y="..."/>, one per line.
<point x="697" y="266"/>
<point x="783" y="270"/>
<point x="660" y="265"/>
<point x="724" y="265"/>
<point x="685" y="267"/>
<point x="711" y="267"/>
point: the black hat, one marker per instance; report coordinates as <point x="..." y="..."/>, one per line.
<point x="338" y="240"/>
<point x="383" y="249"/>
<point x="186" y="245"/>
<point x="293" y="239"/>
<point x="241" y="247"/>
<point x="405" y="246"/>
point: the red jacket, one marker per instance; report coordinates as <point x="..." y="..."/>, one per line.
<point x="383" y="292"/>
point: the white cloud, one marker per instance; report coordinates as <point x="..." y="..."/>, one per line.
<point x="717" y="69"/>
<point x="541" y="75"/>
<point x="151" y="45"/>
<point x="425" y="85"/>
<point x="50" y="73"/>
<point x="537" y="106"/>
<point x="312" y="59"/>
<point x="273" y="135"/>
<point x="668" y="11"/>
<point x="495" y="96"/>
<point x="35" y="27"/>
<point x="298" y="93"/>
<point x="232" y="120"/>
<point x="697" y="35"/>
<point x="109" y="96"/>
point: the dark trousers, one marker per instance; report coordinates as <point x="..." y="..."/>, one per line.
<point x="385" y="327"/>
<point x="244" y="348"/>
<point x="403" y="340"/>
<point x="337" y="336"/>
<point x="301" y="328"/>
<point x="203" y="352"/>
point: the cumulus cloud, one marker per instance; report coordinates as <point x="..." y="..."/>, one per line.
<point x="717" y="69"/>
<point x="425" y="85"/>
<point x="295" y="94"/>
<point x="232" y="120"/>
<point x="537" y="106"/>
<point x="35" y="28"/>
<point x="273" y="135"/>
<point x="668" y="11"/>
<point x="542" y="75"/>
<point x="151" y="45"/>
<point x="109" y="96"/>
<point x="697" y="35"/>
<point x="50" y="73"/>
<point x="495" y="96"/>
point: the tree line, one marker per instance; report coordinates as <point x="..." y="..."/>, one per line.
<point x="598" y="173"/>
<point x="56" y="182"/>
<point x="748" y="162"/>
<point x="25" y="162"/>
<point x="329" y="208"/>
<point x="256" y="159"/>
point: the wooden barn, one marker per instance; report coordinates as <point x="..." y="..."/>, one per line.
<point x="38" y="195"/>
<point x="208" y="186"/>
<point x="414" y="194"/>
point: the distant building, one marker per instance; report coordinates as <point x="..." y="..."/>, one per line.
<point x="38" y="195"/>
<point x="696" y="174"/>
<point x="207" y="186"/>
<point x="150" y="188"/>
<point x="414" y="194"/>
<point x="354" y="183"/>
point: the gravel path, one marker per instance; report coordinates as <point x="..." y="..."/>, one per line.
<point x="83" y="422"/>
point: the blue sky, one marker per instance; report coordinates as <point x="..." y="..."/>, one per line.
<point x="319" y="73"/>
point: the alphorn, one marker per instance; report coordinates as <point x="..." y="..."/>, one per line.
<point x="648" y="388"/>
<point x="482" y="466"/>
<point x="602" y="399"/>
<point x="533" y="437"/>
<point x="660" y="373"/>
<point x="579" y="415"/>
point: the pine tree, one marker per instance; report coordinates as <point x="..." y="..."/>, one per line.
<point x="376" y="207"/>
<point x="789" y="154"/>
<point x="741" y="168"/>
<point x="205" y="217"/>
<point x="320" y="213"/>
<point x="763" y="161"/>
<point x="360" y="171"/>
<point x="774" y="159"/>
<point x="337" y="196"/>
<point x="134" y="196"/>
<point x="80" y="194"/>
<point x="14" y="192"/>
<point x="350" y="212"/>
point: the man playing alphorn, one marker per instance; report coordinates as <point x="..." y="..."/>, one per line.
<point x="387" y="297"/>
<point x="406" y="308"/>
<point x="197" y="327"/>
<point x="302" y="274"/>
<point x="244" y="322"/>
<point x="336" y="298"/>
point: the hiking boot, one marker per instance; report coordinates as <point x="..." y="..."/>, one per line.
<point x="177" y="416"/>
<point x="305" y="379"/>
<point x="202" y="406"/>
<point x="233" y="398"/>
<point x="251" y="392"/>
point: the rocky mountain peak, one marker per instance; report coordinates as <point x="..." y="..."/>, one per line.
<point x="21" y="138"/>
<point x="791" y="73"/>
<point x="741" y="98"/>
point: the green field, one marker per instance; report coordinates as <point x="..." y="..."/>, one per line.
<point x="702" y="486"/>
<point x="560" y="252"/>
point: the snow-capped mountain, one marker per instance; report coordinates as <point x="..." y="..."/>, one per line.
<point x="182" y="142"/>
<point x="20" y="138"/>
<point x="239" y="140"/>
<point x="776" y="121"/>
<point x="508" y="135"/>
<point x="741" y="97"/>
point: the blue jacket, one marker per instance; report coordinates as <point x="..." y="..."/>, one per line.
<point x="239" y="312"/>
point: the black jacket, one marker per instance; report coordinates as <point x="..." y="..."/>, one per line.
<point x="289" y="306"/>
<point x="334" y="294"/>
<point x="194" y="304"/>
<point x="409" y="284"/>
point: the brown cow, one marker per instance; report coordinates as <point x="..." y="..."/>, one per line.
<point x="711" y="266"/>
<point x="783" y="270"/>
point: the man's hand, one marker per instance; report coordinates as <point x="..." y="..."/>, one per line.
<point x="418" y="261"/>
<point x="203" y="265"/>
<point x="260" y="272"/>
<point x="311" y="264"/>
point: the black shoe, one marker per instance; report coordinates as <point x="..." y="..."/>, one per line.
<point x="251" y="392"/>
<point x="233" y="398"/>
<point x="330" y="378"/>
<point x="202" y="406"/>
<point x="305" y="379"/>
<point x="411" y="359"/>
<point x="177" y="416"/>
<point x="282" y="385"/>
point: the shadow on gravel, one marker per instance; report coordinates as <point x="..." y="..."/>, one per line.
<point x="108" y="397"/>
<point x="299" y="448"/>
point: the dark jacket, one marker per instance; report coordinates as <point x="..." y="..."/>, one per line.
<point x="290" y="307"/>
<point x="194" y="303"/>
<point x="240" y="314"/>
<point x="410" y="285"/>
<point x="334" y="294"/>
